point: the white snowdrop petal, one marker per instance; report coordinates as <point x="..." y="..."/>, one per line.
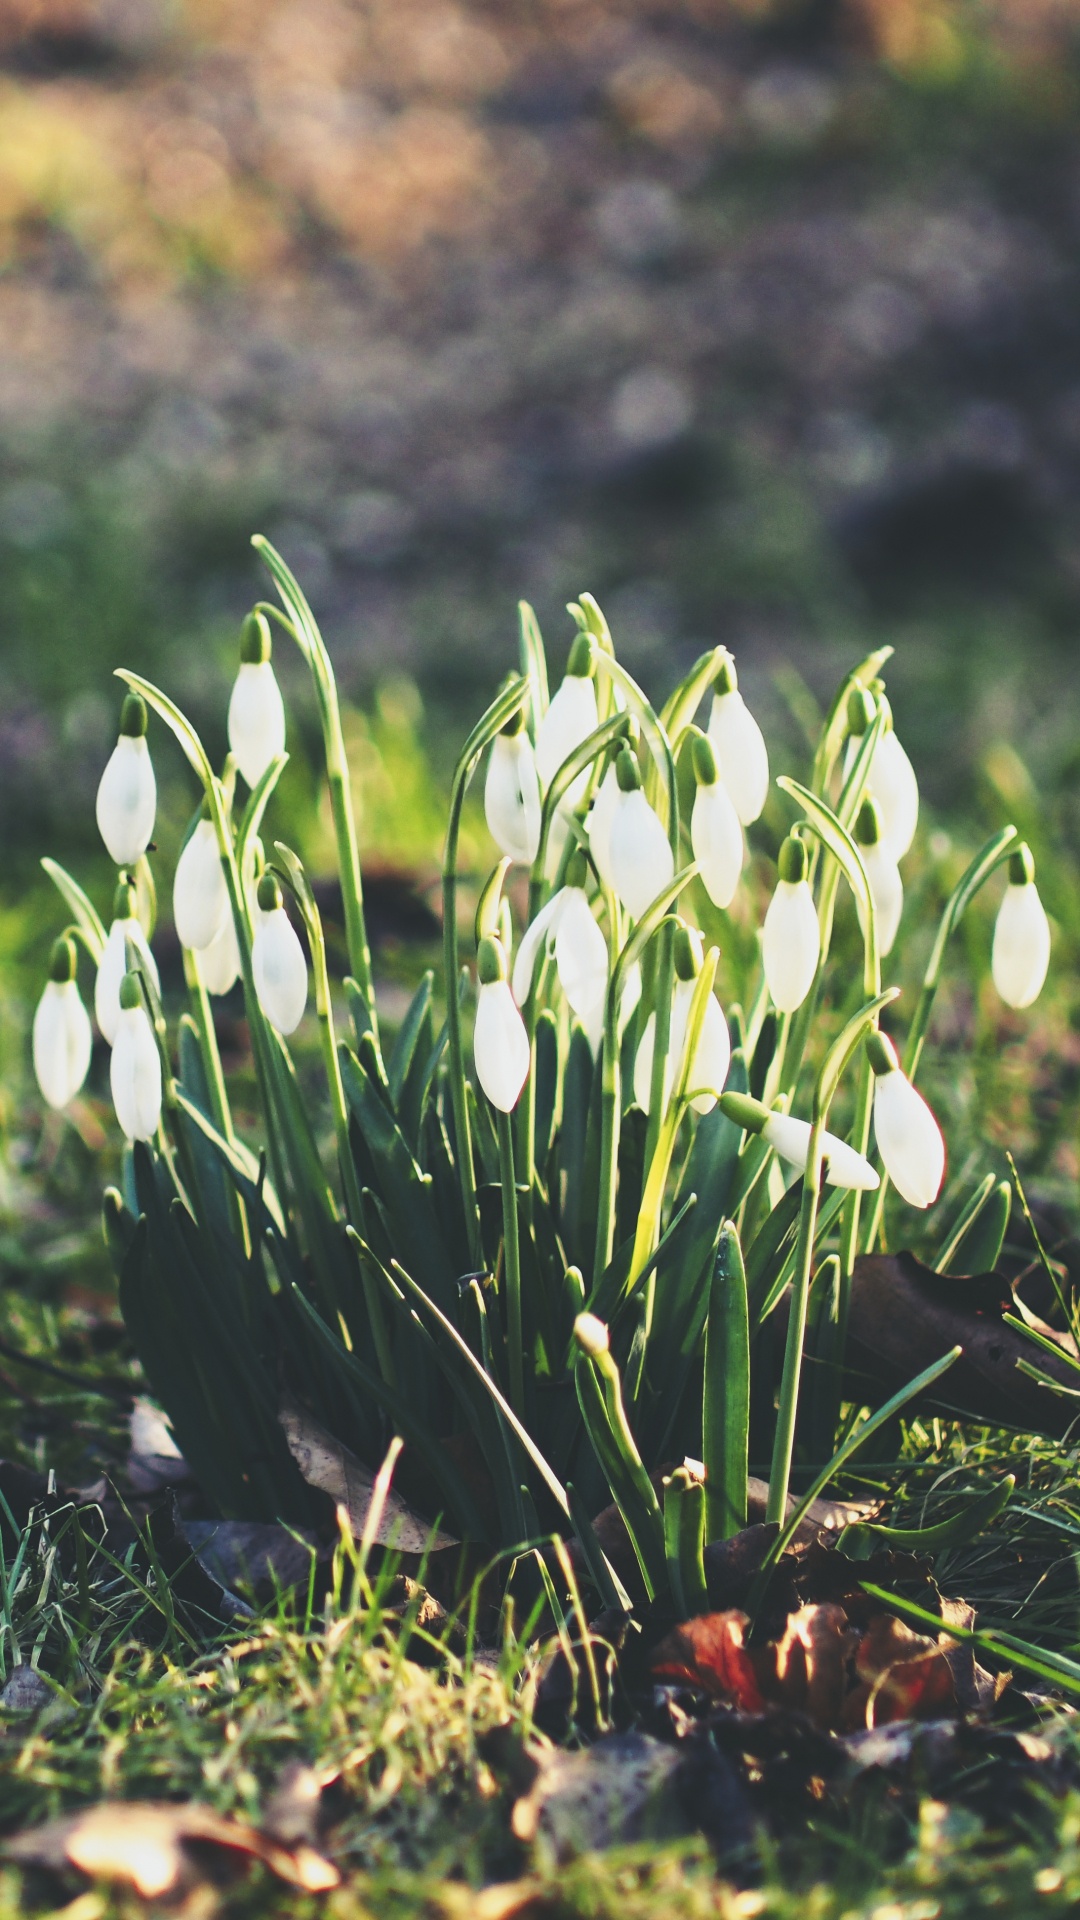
<point x="512" y="797"/>
<point x="791" y="944"/>
<point x="219" y="963"/>
<point x="641" y="857"/>
<point x="717" y="839"/>
<point x="256" y="719"/>
<point x="280" y="969"/>
<point x="570" y="718"/>
<point x="643" y="1063"/>
<point x="135" y="1075"/>
<point x="62" y="1042"/>
<point x="200" y="894"/>
<point x="887" y="889"/>
<point x="712" y="1059"/>
<point x="895" y="789"/>
<point x="741" y="752"/>
<point x="601" y="817"/>
<point x="1021" y="951"/>
<point x="112" y="968"/>
<point x="500" y="1046"/>
<point x="791" y="1140"/>
<point x="531" y="942"/>
<point x="909" y="1139"/>
<point x="631" y="996"/>
<point x="127" y="800"/>
<point x="581" y="954"/>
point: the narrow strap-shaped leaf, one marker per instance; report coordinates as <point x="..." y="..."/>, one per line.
<point x="726" y="1407"/>
<point x="82" y="908"/>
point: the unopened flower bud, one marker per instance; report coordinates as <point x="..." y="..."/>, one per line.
<point x="791" y="937"/>
<point x="740" y="747"/>
<point x="278" y="961"/>
<point x="127" y="791"/>
<point x="908" y="1136"/>
<point x="1021" y="952"/>
<point x="512" y="793"/>
<point x="256" y="723"/>
<point x="135" y="1067"/>
<point x="62" y="1039"/>
<point x="501" y="1051"/>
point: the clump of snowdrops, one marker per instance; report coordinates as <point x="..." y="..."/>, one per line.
<point x="566" y="1204"/>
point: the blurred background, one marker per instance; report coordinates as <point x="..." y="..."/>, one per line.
<point x="760" y="319"/>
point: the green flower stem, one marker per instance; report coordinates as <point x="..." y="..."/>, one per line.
<point x="511" y="1265"/>
<point x="610" y="1089"/>
<point x="833" y="733"/>
<point x="683" y="703"/>
<point x="313" y="647"/>
<point x="647" y="1233"/>
<point x="665" y="983"/>
<point x="215" y="1080"/>
<point x="986" y="862"/>
<point x="832" y="1068"/>
<point x="500" y="711"/>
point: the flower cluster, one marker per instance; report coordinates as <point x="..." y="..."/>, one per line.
<point x="127" y="987"/>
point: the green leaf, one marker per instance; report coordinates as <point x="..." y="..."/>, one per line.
<point x="80" y="907"/>
<point x="175" y="720"/>
<point x="404" y="1189"/>
<point x="726" y="1411"/>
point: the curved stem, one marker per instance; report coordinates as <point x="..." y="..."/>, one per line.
<point x="511" y="1265"/>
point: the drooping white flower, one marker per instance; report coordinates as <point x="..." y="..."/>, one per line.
<point x="908" y="1136"/>
<point x="1021" y="951"/>
<point x="740" y="747"/>
<point x="219" y="963"/>
<point x="845" y="1168"/>
<point x="712" y="1056"/>
<point x="601" y="816"/>
<point x="570" y="718"/>
<point x="113" y="964"/>
<point x="895" y="788"/>
<point x="716" y="833"/>
<point x="256" y="710"/>
<point x="200" y="894"/>
<point x="501" y="1051"/>
<point x="135" y="1067"/>
<point x="567" y="927"/>
<point x="277" y="961"/>
<point x="512" y="793"/>
<point x="642" y="863"/>
<point x="791" y="936"/>
<point x="891" y="782"/>
<point x="62" y="1038"/>
<point x="883" y="874"/>
<point x="790" y="1138"/>
<point x="127" y="791"/>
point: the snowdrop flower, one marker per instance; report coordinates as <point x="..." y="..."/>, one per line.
<point x="219" y="963"/>
<point x="512" y="793"/>
<point x="570" y="718"/>
<point x="709" y="1068"/>
<point x="882" y="872"/>
<point x="908" y="1137"/>
<point x="135" y="1067"/>
<point x="715" y="829"/>
<point x="740" y="747"/>
<point x="791" y="937"/>
<point x="891" y="783"/>
<point x="566" y="924"/>
<point x="1021" y="952"/>
<point x="62" y="1039"/>
<point x="113" y="965"/>
<point x="200" y="894"/>
<point x="256" y="710"/>
<point x="642" y="862"/>
<point x="127" y="791"/>
<point x="277" y="961"/>
<point x="790" y="1138"/>
<point x="501" y="1050"/>
<point x="601" y="816"/>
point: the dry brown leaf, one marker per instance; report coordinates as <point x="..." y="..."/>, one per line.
<point x="710" y="1652"/>
<point x="904" y="1316"/>
<point x="145" y="1845"/>
<point x="328" y="1465"/>
<point x="620" y="1790"/>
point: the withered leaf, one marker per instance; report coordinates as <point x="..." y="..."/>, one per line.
<point x="621" y="1789"/>
<point x="710" y="1653"/>
<point x="328" y="1465"/>
<point x="152" y="1847"/>
<point x="904" y="1316"/>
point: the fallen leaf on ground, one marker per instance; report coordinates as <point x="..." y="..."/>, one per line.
<point x="328" y="1465"/>
<point x="710" y="1652"/>
<point x="153" y="1847"/>
<point x="615" y="1792"/>
<point x="903" y="1316"/>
